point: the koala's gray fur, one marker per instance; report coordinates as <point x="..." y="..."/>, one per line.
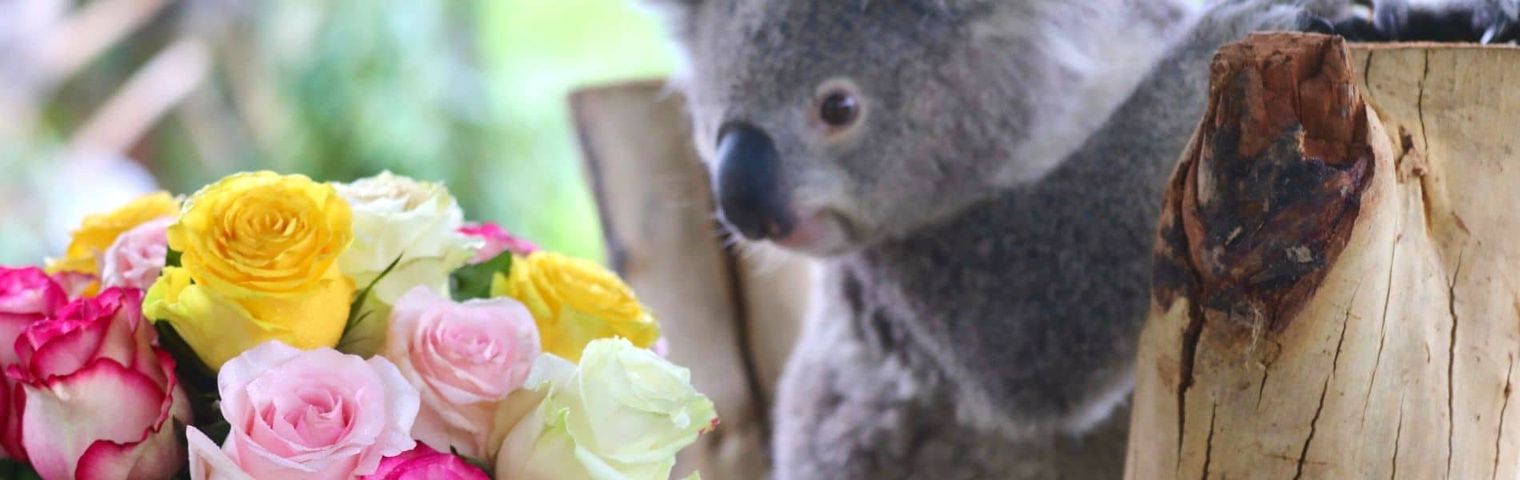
<point x="999" y="196"/>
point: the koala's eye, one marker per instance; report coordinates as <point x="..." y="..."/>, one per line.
<point x="839" y="109"/>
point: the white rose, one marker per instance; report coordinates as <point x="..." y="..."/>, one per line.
<point x="623" y="413"/>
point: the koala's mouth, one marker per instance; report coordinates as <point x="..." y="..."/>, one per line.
<point x="819" y="233"/>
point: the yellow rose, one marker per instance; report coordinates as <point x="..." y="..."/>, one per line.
<point x="262" y="235"/>
<point x="575" y="301"/>
<point x="96" y="233"/>
<point x="219" y="328"/>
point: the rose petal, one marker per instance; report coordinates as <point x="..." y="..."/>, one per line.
<point x="103" y="401"/>
<point x="29" y="291"/>
<point x="11" y="326"/>
<point x="14" y="402"/>
<point x="402" y="403"/>
<point x="99" y="327"/>
<point x="156" y="455"/>
<point x="209" y="462"/>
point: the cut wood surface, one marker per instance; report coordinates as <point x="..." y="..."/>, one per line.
<point x="729" y="319"/>
<point x="1336" y="282"/>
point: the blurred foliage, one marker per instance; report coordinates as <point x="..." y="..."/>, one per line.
<point x="471" y="93"/>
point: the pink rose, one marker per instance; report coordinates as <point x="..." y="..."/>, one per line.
<point x="135" y="259"/>
<point x="423" y="463"/>
<point x="497" y="241"/>
<point x="464" y="358"/>
<point x="99" y="396"/>
<point x="315" y="414"/>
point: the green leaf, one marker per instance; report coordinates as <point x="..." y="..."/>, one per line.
<point x="474" y="281"/>
<point x="354" y="314"/>
<point x="171" y="259"/>
<point x="17" y="470"/>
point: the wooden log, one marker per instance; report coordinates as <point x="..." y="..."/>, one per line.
<point x="1337" y="285"/>
<point x="728" y="318"/>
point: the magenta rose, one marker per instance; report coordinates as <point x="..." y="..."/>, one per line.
<point x="424" y="463"/>
<point x="99" y="396"/>
<point x="464" y="358"/>
<point x="316" y="414"/>
<point x="27" y="295"/>
<point x="136" y="258"/>
<point x="497" y="240"/>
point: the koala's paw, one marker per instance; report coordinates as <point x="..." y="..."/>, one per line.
<point x="1473" y="21"/>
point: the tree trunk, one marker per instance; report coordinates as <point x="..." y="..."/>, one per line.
<point x="728" y="318"/>
<point x="1336" y="286"/>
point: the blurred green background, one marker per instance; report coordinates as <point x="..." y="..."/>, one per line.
<point x="471" y="93"/>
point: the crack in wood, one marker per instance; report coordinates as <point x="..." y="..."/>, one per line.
<point x="1509" y="373"/>
<point x="1336" y="360"/>
<point x="1313" y="426"/>
<point x="1451" y="361"/>
<point x="1377" y="361"/>
<point x="1398" y="434"/>
<point x="1208" y="449"/>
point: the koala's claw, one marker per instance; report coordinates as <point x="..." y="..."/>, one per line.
<point x="1396" y="21"/>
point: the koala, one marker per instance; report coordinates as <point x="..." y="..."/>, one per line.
<point x="979" y="182"/>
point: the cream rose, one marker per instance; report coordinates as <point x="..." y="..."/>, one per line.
<point x="623" y="413"/>
<point x="398" y="217"/>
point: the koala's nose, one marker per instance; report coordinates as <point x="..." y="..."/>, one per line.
<point x="748" y="183"/>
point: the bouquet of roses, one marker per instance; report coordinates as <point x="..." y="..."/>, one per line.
<point x="273" y="327"/>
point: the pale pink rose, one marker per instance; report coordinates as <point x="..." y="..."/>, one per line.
<point x="100" y="399"/>
<point x="464" y="358"/>
<point x="316" y="414"/>
<point x="135" y="259"/>
<point x="497" y="240"/>
<point x="424" y="463"/>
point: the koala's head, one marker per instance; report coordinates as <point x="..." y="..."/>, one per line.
<point x="833" y="124"/>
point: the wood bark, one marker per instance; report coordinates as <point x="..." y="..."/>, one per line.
<point x="1337" y="288"/>
<point x="730" y="318"/>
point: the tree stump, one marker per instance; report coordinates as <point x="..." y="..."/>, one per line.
<point x="1337" y="280"/>
<point x="730" y="319"/>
